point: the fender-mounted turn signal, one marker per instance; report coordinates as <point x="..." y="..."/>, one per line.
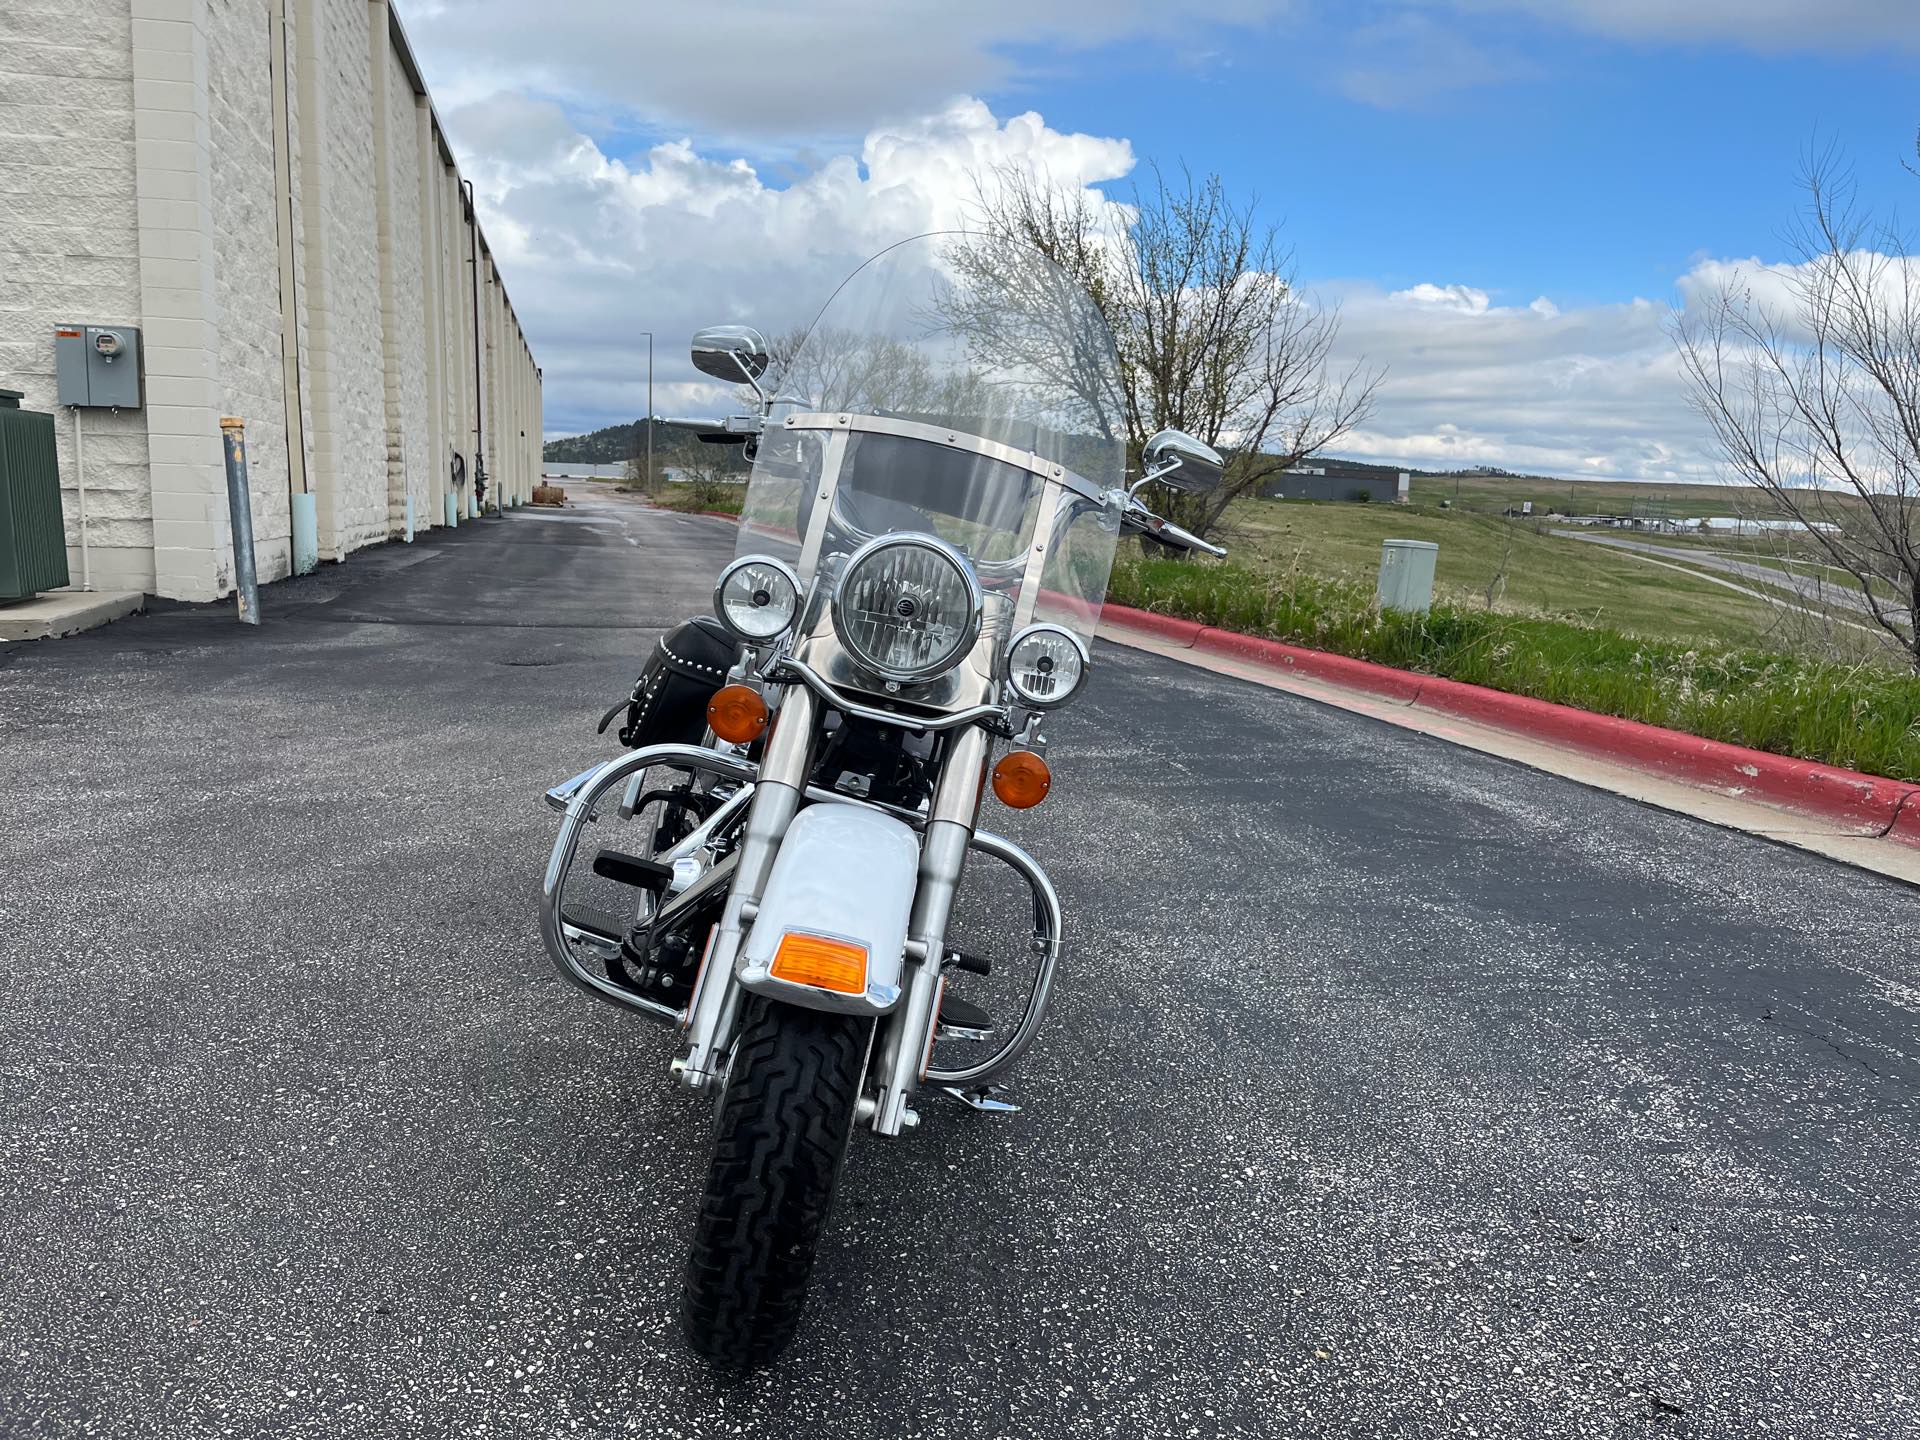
<point x="737" y="714"/>
<point x="1021" y="780"/>
<point x="825" y="964"/>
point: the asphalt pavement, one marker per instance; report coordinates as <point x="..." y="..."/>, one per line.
<point x="1391" y="1089"/>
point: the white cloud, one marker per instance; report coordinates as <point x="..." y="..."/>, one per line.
<point x="771" y="71"/>
<point x="1589" y="392"/>
<point x="1594" y="391"/>
<point x="595" y="251"/>
<point x="1447" y="297"/>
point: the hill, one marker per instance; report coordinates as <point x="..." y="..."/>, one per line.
<point x="1485" y="488"/>
<point x="611" y="444"/>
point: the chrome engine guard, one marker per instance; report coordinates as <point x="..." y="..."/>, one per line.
<point x="577" y="797"/>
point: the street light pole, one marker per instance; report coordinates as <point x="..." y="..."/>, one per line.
<point x="647" y="480"/>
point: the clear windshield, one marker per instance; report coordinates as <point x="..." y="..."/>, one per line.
<point x="966" y="341"/>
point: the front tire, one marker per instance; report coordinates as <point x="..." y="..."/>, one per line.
<point x="781" y="1135"/>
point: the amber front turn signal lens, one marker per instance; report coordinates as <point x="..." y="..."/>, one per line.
<point x="1021" y="780"/>
<point x="737" y="714"/>
<point x="837" y="965"/>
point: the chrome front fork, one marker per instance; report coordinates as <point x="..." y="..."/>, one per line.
<point x="943" y="853"/>
<point x="902" y="1057"/>
<point x="776" y="799"/>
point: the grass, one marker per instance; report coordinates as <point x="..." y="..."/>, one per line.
<point x="1544" y="572"/>
<point x="694" y="499"/>
<point x="1858" y="717"/>
<point x="1594" y="497"/>
<point x="1788" y="554"/>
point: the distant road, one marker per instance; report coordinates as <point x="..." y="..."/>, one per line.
<point x="1806" y="586"/>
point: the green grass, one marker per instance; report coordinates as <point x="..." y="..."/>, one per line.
<point x="1595" y="497"/>
<point x="1861" y="718"/>
<point x="722" y="499"/>
<point x="1545" y="573"/>
<point x="1792" y="555"/>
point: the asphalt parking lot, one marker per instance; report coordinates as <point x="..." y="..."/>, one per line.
<point x="1391" y="1089"/>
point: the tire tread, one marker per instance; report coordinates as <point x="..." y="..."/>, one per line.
<point x="782" y="1132"/>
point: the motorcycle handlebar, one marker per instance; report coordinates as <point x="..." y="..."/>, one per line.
<point x="1169" y="533"/>
<point x="1175" y="535"/>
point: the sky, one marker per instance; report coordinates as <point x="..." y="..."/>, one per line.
<point x="1509" y="201"/>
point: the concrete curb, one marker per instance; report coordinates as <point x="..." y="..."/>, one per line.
<point x="66" y="612"/>
<point x="1873" y="804"/>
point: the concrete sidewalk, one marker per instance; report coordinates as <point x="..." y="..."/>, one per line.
<point x="67" y="612"/>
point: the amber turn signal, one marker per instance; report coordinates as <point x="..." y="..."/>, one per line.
<point x="737" y="714"/>
<point x="1021" y="780"/>
<point x="836" y="965"/>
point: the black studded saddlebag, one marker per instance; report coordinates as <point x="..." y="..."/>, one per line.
<point x="669" y="700"/>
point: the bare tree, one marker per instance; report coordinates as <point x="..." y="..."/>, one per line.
<point x="1814" y="400"/>
<point x="1212" y="334"/>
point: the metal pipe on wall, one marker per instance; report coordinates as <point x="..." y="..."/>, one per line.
<point x="479" y="433"/>
<point x="246" y="586"/>
<point x="80" y="484"/>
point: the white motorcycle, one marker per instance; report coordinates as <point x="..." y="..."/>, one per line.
<point x="938" y="485"/>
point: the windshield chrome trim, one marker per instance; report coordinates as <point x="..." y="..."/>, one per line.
<point x="846" y="422"/>
<point x="1045" y="535"/>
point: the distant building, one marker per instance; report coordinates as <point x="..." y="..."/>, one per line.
<point x="1331" y="482"/>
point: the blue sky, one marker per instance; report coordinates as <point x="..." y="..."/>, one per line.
<point x="1508" y="199"/>
<point x="1597" y="172"/>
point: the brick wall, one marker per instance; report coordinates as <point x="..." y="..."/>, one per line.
<point x="139" y="185"/>
<point x="247" y="266"/>
<point x="403" y="294"/>
<point x="69" y="250"/>
<point x="343" y="242"/>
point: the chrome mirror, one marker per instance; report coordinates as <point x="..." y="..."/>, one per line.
<point x="735" y="353"/>
<point x="1179" y="461"/>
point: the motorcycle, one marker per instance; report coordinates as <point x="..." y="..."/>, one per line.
<point x="937" y="489"/>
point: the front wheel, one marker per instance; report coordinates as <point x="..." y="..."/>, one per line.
<point x="784" y="1122"/>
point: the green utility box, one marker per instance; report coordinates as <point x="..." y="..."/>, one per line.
<point x="33" y="532"/>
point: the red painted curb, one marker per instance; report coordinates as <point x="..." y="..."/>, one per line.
<point x="1166" y="627"/>
<point x="1382" y="680"/>
<point x="1871" y="802"/>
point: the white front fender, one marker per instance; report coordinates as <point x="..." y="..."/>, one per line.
<point x="844" y="873"/>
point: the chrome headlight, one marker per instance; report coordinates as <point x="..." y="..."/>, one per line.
<point x="1045" y="665"/>
<point x="908" y="607"/>
<point x="757" y="598"/>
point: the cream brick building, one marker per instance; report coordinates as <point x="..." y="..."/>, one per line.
<point x="261" y="186"/>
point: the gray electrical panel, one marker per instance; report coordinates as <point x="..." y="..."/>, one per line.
<point x="98" y="365"/>
<point x="1406" y="574"/>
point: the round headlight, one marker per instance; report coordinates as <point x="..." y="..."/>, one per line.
<point x="1045" y="665"/>
<point x="757" y="598"/>
<point x="908" y="608"/>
